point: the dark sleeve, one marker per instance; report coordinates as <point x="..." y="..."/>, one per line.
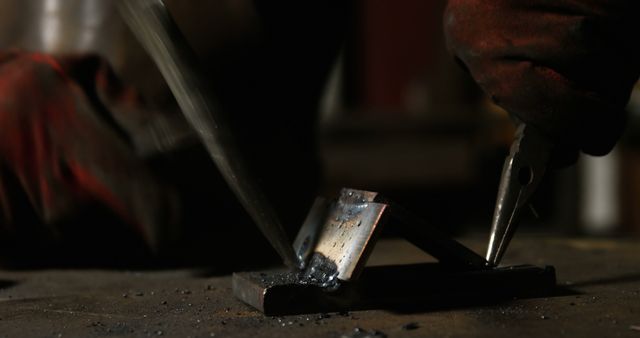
<point x="566" y="66"/>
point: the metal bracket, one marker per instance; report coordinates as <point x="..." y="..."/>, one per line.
<point x="334" y="243"/>
<point x="338" y="236"/>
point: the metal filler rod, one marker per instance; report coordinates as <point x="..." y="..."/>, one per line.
<point x="153" y="26"/>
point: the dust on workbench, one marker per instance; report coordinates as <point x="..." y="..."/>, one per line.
<point x="601" y="297"/>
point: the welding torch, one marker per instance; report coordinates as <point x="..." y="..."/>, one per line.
<point x="154" y="27"/>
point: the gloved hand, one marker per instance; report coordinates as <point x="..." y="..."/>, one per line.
<point x="60" y="142"/>
<point x="565" y="66"/>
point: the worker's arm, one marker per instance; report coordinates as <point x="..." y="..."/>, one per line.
<point x="62" y="150"/>
<point x="565" y="66"/>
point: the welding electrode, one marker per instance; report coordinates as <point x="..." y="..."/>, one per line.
<point x="152" y="24"/>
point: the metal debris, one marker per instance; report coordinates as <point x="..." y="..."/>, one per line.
<point x="410" y="326"/>
<point x="362" y="333"/>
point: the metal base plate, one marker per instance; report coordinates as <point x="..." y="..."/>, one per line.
<point x="402" y="287"/>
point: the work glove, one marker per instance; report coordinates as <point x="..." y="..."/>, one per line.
<point x="63" y="149"/>
<point x="564" y="66"/>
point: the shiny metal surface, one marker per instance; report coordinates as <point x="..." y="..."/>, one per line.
<point x="342" y="231"/>
<point x="155" y="29"/>
<point x="338" y="236"/>
<point x="307" y="237"/>
<point x="350" y="232"/>
<point x="95" y="26"/>
<point x="63" y="27"/>
<point x="72" y="27"/>
<point x="522" y="173"/>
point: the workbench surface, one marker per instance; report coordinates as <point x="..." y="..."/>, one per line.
<point x="599" y="296"/>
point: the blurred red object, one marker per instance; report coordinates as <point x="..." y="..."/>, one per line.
<point x="60" y="139"/>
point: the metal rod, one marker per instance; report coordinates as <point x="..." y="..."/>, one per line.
<point x="152" y="24"/>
